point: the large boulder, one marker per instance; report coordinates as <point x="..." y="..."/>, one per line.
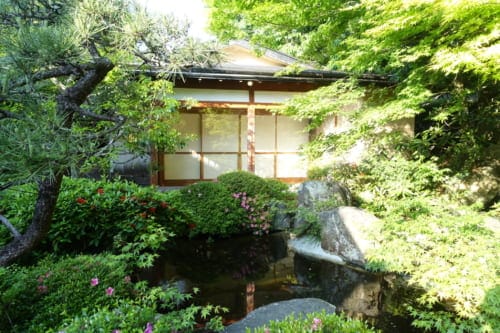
<point x="312" y="192"/>
<point x="319" y="195"/>
<point x="350" y="233"/>
<point x="279" y="311"/>
<point x="482" y="186"/>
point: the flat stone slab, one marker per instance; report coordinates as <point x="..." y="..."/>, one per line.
<point x="279" y="311"/>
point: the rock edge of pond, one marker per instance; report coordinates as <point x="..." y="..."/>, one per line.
<point x="278" y="311"/>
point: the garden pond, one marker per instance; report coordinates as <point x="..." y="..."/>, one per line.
<point x="244" y="273"/>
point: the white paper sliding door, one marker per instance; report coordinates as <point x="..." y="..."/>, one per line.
<point x="219" y="145"/>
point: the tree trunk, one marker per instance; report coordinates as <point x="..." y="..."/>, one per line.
<point x="48" y="192"/>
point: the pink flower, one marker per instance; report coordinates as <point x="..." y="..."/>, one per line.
<point x="267" y="330"/>
<point x="109" y="291"/>
<point x="149" y="328"/>
<point x="42" y="289"/>
<point x="116" y="331"/>
<point x="94" y="282"/>
<point x="316" y="325"/>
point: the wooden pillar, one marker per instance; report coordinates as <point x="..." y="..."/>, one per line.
<point x="251" y="138"/>
<point x="250" y="297"/>
<point x="251" y="129"/>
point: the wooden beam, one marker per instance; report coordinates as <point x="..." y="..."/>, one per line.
<point x="233" y="105"/>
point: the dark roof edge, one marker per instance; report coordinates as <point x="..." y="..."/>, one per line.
<point x="309" y="75"/>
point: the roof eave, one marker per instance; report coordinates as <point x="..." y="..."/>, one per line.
<point x="311" y="76"/>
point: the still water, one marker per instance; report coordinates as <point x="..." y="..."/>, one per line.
<point x="244" y="273"/>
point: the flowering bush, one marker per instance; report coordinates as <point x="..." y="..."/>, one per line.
<point x="34" y="299"/>
<point x="92" y="294"/>
<point x="258" y="197"/>
<point x="93" y="216"/>
<point x="258" y="218"/>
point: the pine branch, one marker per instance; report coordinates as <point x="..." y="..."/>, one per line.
<point x="94" y="52"/>
<point x="96" y="72"/>
<point x="118" y="125"/>
<point x="12" y="229"/>
<point x="99" y="117"/>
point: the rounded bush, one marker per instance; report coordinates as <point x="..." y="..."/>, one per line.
<point x="214" y="211"/>
<point x="253" y="185"/>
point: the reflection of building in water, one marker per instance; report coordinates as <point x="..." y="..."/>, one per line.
<point x="250" y="299"/>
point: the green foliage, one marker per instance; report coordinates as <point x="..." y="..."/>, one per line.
<point x="73" y="295"/>
<point x="442" y="59"/>
<point x="162" y="310"/>
<point x="255" y="186"/>
<point x="93" y="216"/>
<point x="39" y="298"/>
<point x="214" y="211"/>
<point x="315" y="322"/>
<point x="442" y="56"/>
<point x="451" y="256"/>
<point x="82" y="50"/>
<point x="445" y="248"/>
<point x="311" y="224"/>
<point x="337" y="99"/>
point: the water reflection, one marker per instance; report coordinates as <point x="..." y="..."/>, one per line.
<point x="245" y="273"/>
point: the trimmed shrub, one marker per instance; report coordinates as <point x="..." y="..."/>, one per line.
<point x="255" y="186"/>
<point x="214" y="211"/>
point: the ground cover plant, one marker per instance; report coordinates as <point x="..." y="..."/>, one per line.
<point x="92" y="294"/>
<point x="314" y="322"/>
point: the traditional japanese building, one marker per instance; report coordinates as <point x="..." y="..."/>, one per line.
<point x="230" y="121"/>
